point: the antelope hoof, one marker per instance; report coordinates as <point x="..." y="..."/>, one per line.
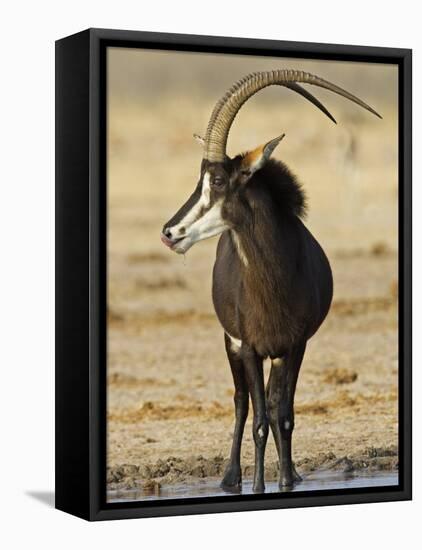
<point x="232" y="478"/>
<point x="296" y="476"/>
<point x="259" y="487"/>
<point x="286" y="482"/>
<point x="287" y="479"/>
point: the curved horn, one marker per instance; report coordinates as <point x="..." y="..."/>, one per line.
<point x="229" y="105"/>
<point x="307" y="95"/>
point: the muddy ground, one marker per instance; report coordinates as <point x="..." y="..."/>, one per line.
<point x="170" y="394"/>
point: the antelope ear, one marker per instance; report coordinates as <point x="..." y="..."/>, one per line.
<point x="199" y="139"/>
<point x="255" y="159"/>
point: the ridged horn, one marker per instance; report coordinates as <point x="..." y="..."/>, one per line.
<point x="229" y="105"/>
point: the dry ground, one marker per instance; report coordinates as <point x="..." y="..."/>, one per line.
<point x="170" y="409"/>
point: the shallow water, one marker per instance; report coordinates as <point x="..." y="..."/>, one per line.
<point x="316" y="481"/>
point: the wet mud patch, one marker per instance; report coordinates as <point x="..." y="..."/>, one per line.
<point x="175" y="470"/>
<point x="210" y="487"/>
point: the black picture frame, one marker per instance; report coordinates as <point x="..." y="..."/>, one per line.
<point x="81" y="221"/>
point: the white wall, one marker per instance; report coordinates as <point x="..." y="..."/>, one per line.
<point x="27" y="270"/>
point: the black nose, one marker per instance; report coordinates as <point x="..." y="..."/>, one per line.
<point x="167" y="232"/>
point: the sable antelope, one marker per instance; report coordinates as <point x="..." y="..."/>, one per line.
<point x="272" y="282"/>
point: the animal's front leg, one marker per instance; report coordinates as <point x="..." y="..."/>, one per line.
<point x="255" y="378"/>
<point x="233" y="474"/>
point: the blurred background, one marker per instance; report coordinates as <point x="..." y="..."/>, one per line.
<point x="170" y="412"/>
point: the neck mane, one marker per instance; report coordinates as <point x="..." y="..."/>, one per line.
<point x="270" y="246"/>
<point x="270" y="243"/>
<point x="267" y="241"/>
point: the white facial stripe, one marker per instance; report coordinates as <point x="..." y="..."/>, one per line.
<point x="194" y="212"/>
<point x="210" y="224"/>
<point x="198" y="228"/>
<point x="206" y="183"/>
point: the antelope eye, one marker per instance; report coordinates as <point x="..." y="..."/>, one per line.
<point x="218" y="181"/>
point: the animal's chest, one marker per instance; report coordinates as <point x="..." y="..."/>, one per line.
<point x="249" y="312"/>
